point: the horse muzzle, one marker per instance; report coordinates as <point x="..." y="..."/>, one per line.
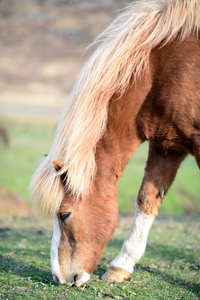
<point x="77" y="279"/>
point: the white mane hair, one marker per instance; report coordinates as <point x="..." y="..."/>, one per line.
<point x="122" y="54"/>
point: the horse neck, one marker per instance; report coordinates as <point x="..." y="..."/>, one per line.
<point x="120" y="140"/>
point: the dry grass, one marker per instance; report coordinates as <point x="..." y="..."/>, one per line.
<point x="41" y="45"/>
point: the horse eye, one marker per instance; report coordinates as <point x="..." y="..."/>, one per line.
<point x="65" y="216"/>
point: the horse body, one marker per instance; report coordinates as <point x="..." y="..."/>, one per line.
<point x="169" y="115"/>
<point x="161" y="106"/>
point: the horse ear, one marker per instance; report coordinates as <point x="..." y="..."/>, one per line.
<point x="58" y="165"/>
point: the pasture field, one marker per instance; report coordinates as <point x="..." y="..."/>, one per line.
<point x="169" y="269"/>
<point x="30" y="139"/>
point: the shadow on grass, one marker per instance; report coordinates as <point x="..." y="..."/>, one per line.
<point x="24" y="252"/>
<point x="171" y="253"/>
<point x="27" y="271"/>
<point x="176" y="258"/>
<point x="171" y="256"/>
<point x="174" y="280"/>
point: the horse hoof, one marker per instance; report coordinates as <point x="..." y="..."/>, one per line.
<point x="116" y="275"/>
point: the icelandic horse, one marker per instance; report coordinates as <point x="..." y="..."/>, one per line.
<point x="4" y="137"/>
<point x="142" y="82"/>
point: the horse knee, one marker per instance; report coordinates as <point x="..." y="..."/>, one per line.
<point x="150" y="198"/>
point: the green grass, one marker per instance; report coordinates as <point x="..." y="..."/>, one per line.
<point x="182" y="197"/>
<point x="168" y="270"/>
<point x="28" y="143"/>
<point x="170" y="267"/>
<point x="30" y="140"/>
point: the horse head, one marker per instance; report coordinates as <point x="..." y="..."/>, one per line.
<point x="81" y="230"/>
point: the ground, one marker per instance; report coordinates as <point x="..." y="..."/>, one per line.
<point x="168" y="270"/>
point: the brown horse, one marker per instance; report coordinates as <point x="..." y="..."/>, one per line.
<point x="4" y="137"/>
<point x="141" y="83"/>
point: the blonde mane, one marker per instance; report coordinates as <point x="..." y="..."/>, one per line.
<point x="121" y="55"/>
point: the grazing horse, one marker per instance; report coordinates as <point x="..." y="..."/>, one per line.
<point x="4" y="137"/>
<point x="142" y="82"/>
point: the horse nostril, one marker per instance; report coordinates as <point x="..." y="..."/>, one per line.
<point x="55" y="278"/>
<point x="76" y="277"/>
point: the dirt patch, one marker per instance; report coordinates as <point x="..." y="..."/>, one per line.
<point x="13" y="205"/>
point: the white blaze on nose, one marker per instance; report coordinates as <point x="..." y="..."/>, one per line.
<point x="54" y="249"/>
<point x="85" y="277"/>
<point x="55" y="259"/>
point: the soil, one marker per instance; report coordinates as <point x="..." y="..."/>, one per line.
<point x="42" y="45"/>
<point x="13" y="205"/>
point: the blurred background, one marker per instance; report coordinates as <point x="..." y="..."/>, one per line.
<point x="42" y="45"/>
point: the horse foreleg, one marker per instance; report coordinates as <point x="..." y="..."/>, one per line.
<point x="160" y="172"/>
